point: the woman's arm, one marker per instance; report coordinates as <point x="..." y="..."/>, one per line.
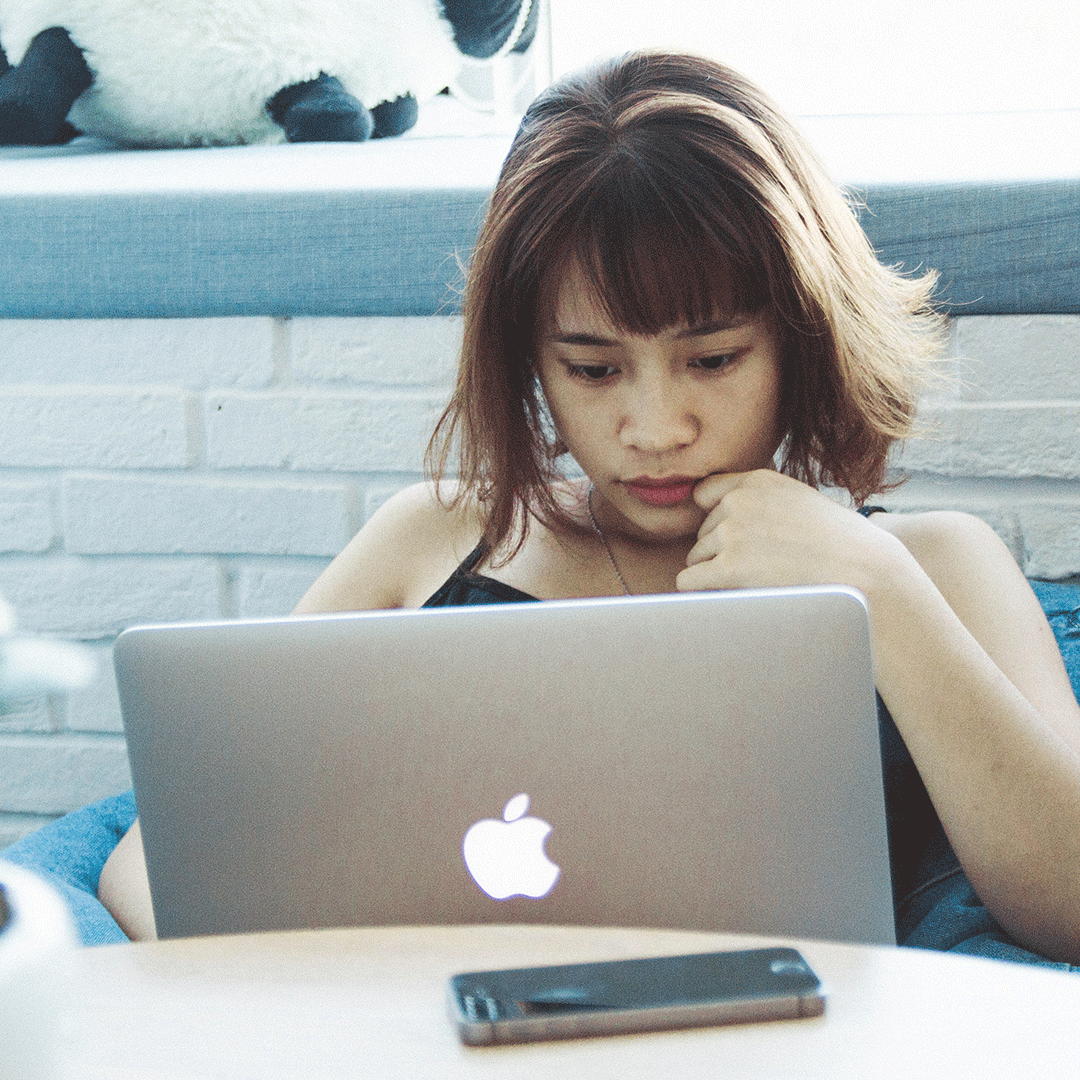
<point x="965" y="662"/>
<point x="124" y="889"/>
<point x="992" y="723"/>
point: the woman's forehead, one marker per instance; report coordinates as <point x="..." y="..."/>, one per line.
<point x="574" y="301"/>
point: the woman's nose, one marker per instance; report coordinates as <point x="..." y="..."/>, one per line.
<point x="657" y="419"/>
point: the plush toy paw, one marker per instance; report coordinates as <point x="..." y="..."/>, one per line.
<point x="37" y="95"/>
<point x="395" y="117"/>
<point x="320" y="110"/>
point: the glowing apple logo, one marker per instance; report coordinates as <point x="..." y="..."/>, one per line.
<point x="506" y="858"/>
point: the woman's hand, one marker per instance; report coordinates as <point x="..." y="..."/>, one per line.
<point x="764" y="529"/>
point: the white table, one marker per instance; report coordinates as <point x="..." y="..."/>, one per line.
<point x="371" y="1002"/>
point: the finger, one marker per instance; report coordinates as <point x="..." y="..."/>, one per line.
<point x="713" y="536"/>
<point x="688" y="581"/>
<point x="713" y="520"/>
<point x="705" y="576"/>
<point x="710" y="533"/>
<point x="712" y="489"/>
<point x="706" y="548"/>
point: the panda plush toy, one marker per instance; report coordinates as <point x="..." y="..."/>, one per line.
<point x="225" y="72"/>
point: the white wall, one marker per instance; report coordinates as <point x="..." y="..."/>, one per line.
<point x="157" y="470"/>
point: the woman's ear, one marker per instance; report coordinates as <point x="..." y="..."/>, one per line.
<point x="547" y="424"/>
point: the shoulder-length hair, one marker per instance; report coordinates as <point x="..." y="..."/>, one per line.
<point x="683" y="195"/>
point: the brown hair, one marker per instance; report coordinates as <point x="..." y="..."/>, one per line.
<point x="683" y="195"/>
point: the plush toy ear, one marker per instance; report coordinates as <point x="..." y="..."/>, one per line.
<point x="37" y="95"/>
<point x="484" y="27"/>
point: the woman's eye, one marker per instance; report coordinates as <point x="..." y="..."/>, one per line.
<point x="714" y="363"/>
<point x="591" y="372"/>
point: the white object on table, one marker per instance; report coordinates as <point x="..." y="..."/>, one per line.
<point x="37" y="942"/>
<point x="31" y="665"/>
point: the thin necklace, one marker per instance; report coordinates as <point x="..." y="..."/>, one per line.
<point x="603" y="540"/>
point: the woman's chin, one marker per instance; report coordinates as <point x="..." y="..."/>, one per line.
<point x="660" y="525"/>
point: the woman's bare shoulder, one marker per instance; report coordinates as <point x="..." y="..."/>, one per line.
<point x="407" y="549"/>
<point x="975" y="572"/>
<point x="948" y="542"/>
<point x="961" y="553"/>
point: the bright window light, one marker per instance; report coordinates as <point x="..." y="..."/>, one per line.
<point x="834" y="57"/>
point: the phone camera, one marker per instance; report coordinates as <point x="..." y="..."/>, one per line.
<point x="480" y="1006"/>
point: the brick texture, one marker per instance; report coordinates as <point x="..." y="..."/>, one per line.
<point x="102" y="427"/>
<point x="41" y="774"/>
<point x="164" y="515"/>
<point x="188" y="353"/>
<point x="91" y="599"/>
<point x="26" y="515"/>
<point x="343" y="431"/>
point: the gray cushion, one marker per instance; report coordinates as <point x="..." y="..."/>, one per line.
<point x="1000" y="248"/>
<point x="314" y="229"/>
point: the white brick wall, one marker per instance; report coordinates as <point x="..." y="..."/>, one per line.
<point x="181" y="469"/>
<point x="204" y="468"/>
<point x="1003" y="438"/>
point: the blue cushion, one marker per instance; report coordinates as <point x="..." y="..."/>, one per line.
<point x="999" y="248"/>
<point x="308" y="229"/>
<point x="1061" y="602"/>
<point x="955" y="920"/>
<point x="70" y="852"/>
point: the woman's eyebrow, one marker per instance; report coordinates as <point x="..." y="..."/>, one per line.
<point x="717" y="326"/>
<point x="580" y="338"/>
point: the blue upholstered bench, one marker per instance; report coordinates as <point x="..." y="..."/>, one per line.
<point x="70" y="852"/>
<point x="992" y="203"/>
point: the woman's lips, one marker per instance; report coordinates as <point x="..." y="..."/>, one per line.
<point x="666" y="492"/>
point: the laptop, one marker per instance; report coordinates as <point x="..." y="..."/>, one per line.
<point x="704" y="761"/>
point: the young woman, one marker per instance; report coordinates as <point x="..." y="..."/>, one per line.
<point x="669" y="296"/>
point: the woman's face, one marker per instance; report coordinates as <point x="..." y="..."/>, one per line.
<point x="646" y="418"/>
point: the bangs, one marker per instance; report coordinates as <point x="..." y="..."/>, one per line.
<point x="658" y="256"/>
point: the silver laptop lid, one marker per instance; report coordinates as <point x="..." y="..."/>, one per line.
<point x="707" y="761"/>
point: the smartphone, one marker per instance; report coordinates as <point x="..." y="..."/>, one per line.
<point x="571" y="1000"/>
